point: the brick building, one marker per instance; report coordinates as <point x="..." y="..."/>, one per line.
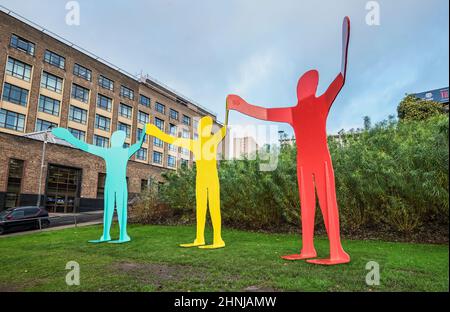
<point x="48" y="82"/>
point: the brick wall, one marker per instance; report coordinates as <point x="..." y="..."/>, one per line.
<point x="29" y="150"/>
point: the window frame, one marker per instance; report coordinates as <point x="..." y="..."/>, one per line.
<point x="50" y="57"/>
<point x="84" y="113"/>
<point x="73" y="131"/>
<point x="73" y="93"/>
<point x="42" y="108"/>
<point x="19" y="118"/>
<point x="7" y="94"/>
<point x="162" y="106"/>
<point x="101" y="83"/>
<point x="109" y="100"/>
<point x="23" y="40"/>
<point x="126" y="92"/>
<point x="58" y="81"/>
<point x="129" y="110"/>
<point x="107" y="120"/>
<point x="87" y="77"/>
<point x="15" y="63"/>
<point x="43" y="121"/>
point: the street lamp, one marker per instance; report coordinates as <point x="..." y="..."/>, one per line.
<point x="42" y="165"/>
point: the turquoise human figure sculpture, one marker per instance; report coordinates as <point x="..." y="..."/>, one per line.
<point x="116" y="193"/>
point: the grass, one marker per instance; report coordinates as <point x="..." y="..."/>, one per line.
<point x="154" y="262"/>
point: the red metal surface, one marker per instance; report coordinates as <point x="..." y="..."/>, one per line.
<point x="314" y="167"/>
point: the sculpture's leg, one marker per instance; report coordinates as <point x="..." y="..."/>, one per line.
<point x="121" y="203"/>
<point x="307" y="203"/>
<point x="326" y="184"/>
<point x="214" y="210"/>
<point x="108" y="211"/>
<point x="201" y="194"/>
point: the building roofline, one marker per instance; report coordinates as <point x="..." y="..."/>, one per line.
<point x="136" y="78"/>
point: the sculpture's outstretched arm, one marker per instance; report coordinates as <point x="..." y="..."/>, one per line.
<point x="182" y="142"/>
<point x="219" y="135"/>
<point x="136" y="146"/>
<point x="235" y="102"/>
<point x="337" y="84"/>
<point x="65" y="134"/>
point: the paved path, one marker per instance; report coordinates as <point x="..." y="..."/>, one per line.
<point x="55" y="228"/>
<point x="59" y="221"/>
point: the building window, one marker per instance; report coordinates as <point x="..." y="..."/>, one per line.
<point x="184" y="151"/>
<point x="48" y="105"/>
<point x="82" y="72"/>
<point x="105" y="83"/>
<point x="125" y="128"/>
<point x="100" y="141"/>
<point x="80" y="93"/>
<point x="54" y="59"/>
<point x="159" y="123"/>
<point x="141" y="154"/>
<point x="101" y="185"/>
<point x="186" y="120"/>
<point x="186" y="134"/>
<point x="144" y="184"/>
<point x="160" y="108"/>
<point x="62" y="189"/>
<point x="18" y="69"/>
<point x="173" y="114"/>
<point x="11" y="120"/>
<point x="125" y="111"/>
<point x="22" y="44"/>
<point x="139" y="132"/>
<point x="143" y="118"/>
<point x="157" y="142"/>
<point x="15" y="94"/>
<point x="79" y="134"/>
<point x="77" y="114"/>
<point x="42" y="125"/>
<point x="184" y="163"/>
<point x="126" y="92"/>
<point x="51" y="82"/>
<point x="144" y="100"/>
<point x="102" y="122"/>
<point x="15" y="174"/>
<point x="157" y="157"/>
<point x="171" y="161"/>
<point x="173" y="130"/>
<point x="172" y="148"/>
<point x="104" y="102"/>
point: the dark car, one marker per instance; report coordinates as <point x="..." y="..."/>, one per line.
<point x="23" y="218"/>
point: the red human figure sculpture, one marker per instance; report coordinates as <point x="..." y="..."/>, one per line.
<point x="314" y="166"/>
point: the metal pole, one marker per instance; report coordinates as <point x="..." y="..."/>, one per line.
<point x="42" y="168"/>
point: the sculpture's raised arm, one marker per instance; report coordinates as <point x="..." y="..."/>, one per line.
<point x="65" y="134"/>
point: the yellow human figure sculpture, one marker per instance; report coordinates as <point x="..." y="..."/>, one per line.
<point x="207" y="188"/>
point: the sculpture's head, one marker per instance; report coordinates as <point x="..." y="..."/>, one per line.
<point x="118" y="138"/>
<point x="205" y="126"/>
<point x="307" y="85"/>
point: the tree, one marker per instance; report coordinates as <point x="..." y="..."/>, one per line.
<point x="413" y="108"/>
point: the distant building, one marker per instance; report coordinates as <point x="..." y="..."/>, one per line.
<point x="244" y="147"/>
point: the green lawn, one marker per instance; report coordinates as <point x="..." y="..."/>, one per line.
<point x="154" y="262"/>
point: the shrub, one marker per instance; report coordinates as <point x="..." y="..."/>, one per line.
<point x="390" y="177"/>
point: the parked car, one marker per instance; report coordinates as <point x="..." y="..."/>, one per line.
<point x="23" y="218"/>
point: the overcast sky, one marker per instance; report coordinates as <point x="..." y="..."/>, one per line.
<point x="259" y="48"/>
